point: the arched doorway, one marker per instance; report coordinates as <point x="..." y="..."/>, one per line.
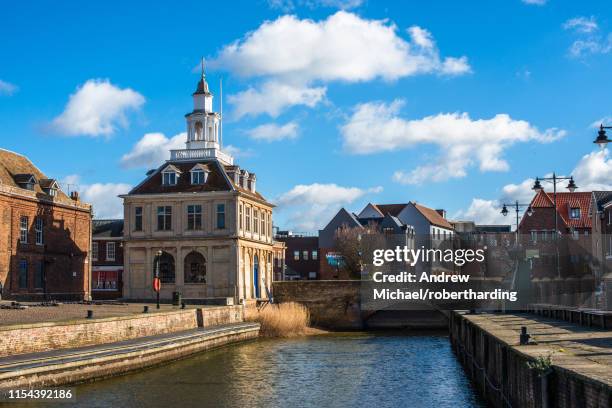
<point x="256" y="276"/>
<point x="166" y="268"/>
<point x="195" y="268"/>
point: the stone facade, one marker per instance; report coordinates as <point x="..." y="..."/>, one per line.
<point x="45" y="239"/>
<point x="203" y="216"/>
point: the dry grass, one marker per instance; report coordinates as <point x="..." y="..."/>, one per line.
<point x="281" y="320"/>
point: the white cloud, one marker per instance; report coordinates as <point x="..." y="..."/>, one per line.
<point x="152" y="150"/>
<point x="292" y="54"/>
<point x="6" y="88"/>
<point x="103" y="196"/>
<point x="343" y="47"/>
<point x="485" y="212"/>
<point x="463" y="142"/>
<point x="581" y="24"/>
<point x="97" y="108"/>
<point x="523" y="192"/>
<point x="311" y="205"/>
<point x="535" y="2"/>
<point x="271" y="132"/>
<point x="273" y="98"/>
<point x="594" y="171"/>
<point x="236" y="151"/>
<point x="601" y="121"/>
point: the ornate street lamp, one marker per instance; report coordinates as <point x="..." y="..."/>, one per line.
<point x="517" y="208"/>
<point x="602" y="139"/>
<point x="571" y="186"/>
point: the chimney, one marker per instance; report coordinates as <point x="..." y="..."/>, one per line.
<point x="252" y="180"/>
<point x="442" y="213"/>
<point x="74" y="195"/>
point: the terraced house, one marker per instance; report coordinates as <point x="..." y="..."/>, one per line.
<point x="205" y="215"/>
<point x="45" y="235"/>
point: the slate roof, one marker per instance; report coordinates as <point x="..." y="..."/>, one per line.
<point x="565" y="202"/>
<point x="393" y="209"/>
<point x="107" y="228"/>
<point x="217" y="180"/>
<point x="602" y="198"/>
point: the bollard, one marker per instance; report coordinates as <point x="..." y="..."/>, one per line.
<point x="182" y="305"/>
<point x="524" y="337"/>
<point x="90" y="314"/>
<point x="145" y="309"/>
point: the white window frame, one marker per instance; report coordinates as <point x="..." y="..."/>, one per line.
<point x="168" y="174"/>
<point x="23" y="229"/>
<point x="198" y="175"/>
<point x="94" y="251"/>
<point x="572" y="213"/>
<point x="38" y="228"/>
<point x="110" y="252"/>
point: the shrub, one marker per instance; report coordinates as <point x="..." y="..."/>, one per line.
<point x="281" y="320"/>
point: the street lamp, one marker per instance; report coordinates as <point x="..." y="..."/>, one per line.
<point x="571" y="186"/>
<point x="517" y="208"/>
<point x="602" y="139"/>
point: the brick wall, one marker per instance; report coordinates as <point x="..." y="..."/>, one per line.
<point x="62" y="255"/>
<point x="48" y="336"/>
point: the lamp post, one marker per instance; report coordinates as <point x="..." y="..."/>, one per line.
<point x="156" y="278"/>
<point x="517" y="208"/>
<point x="571" y="186"/>
<point x="602" y="139"/>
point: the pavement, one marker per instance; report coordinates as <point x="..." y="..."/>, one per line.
<point x="585" y="350"/>
<point x="74" y="311"/>
<point x="20" y="362"/>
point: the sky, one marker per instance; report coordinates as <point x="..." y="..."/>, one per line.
<point x="332" y="103"/>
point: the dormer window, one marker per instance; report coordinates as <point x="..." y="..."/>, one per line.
<point x="170" y="176"/>
<point x="49" y="186"/>
<point x="199" y="175"/>
<point x="26" y="181"/>
<point x="575" y="213"/>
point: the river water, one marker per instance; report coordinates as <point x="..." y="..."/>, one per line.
<point x="338" y="370"/>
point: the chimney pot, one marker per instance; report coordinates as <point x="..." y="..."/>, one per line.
<point x="74" y="195"/>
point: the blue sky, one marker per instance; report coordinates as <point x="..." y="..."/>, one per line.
<point x="331" y="103"/>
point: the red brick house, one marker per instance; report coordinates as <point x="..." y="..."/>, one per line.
<point x="561" y="262"/>
<point x="45" y="236"/>
<point x="301" y="256"/>
<point x="107" y="259"/>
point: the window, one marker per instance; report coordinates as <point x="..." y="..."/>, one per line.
<point x="23" y="274"/>
<point x="23" y="230"/>
<point x="38" y="228"/>
<point x="94" y="251"/>
<point x="609" y="217"/>
<point x="169" y="178"/>
<point x="52" y="192"/>
<point x="263" y="224"/>
<point x="305" y="255"/>
<point x="110" y="251"/>
<point x="220" y="216"/>
<point x="575" y="213"/>
<point x="138" y="219"/>
<point x="296" y="255"/>
<point x="194" y="217"/>
<point x="195" y="268"/>
<point x="315" y="255"/>
<point x="255" y="220"/>
<point x="166" y="268"/>
<point x="248" y="219"/>
<point x="198" y="177"/>
<point x="543" y="235"/>
<point x="240" y="216"/>
<point x="40" y="273"/>
<point x="164" y="218"/>
<point x="534" y="236"/>
<point x="586" y="233"/>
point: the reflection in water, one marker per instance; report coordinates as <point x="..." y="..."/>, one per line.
<point x="345" y="370"/>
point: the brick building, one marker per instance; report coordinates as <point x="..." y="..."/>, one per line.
<point x="46" y="235"/>
<point x="601" y="221"/>
<point x="107" y="259"/>
<point x="301" y="256"/>
<point x="560" y="255"/>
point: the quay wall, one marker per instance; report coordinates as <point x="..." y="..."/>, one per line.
<point x="38" y="337"/>
<point x="500" y="373"/>
<point x="336" y="305"/>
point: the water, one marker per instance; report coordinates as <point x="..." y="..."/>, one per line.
<point x="340" y="370"/>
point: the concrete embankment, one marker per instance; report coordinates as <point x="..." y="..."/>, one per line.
<point x="488" y="346"/>
<point x="78" y="351"/>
